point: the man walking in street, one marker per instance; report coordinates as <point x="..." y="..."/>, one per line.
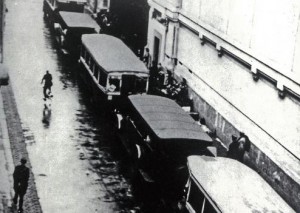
<point x="21" y="177"/>
<point x="48" y="84"/>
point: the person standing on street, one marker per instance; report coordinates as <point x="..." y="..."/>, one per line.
<point x="147" y="59"/>
<point x="21" y="177"/>
<point x="47" y="85"/>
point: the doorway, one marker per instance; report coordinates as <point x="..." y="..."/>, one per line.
<point x="156" y="49"/>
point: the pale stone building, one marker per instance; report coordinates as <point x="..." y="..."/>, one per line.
<point x="2" y="14"/>
<point x="96" y="6"/>
<point x="241" y="61"/>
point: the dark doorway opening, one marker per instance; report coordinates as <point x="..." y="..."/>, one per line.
<point x="156" y="49"/>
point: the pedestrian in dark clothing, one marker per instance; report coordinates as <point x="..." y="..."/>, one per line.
<point x="47" y="85"/>
<point x="21" y="177"/>
<point x="233" y="150"/>
<point x="238" y="147"/>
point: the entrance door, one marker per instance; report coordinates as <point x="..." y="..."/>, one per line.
<point x="156" y="49"/>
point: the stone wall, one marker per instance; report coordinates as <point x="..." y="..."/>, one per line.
<point x="288" y="189"/>
<point x="264" y="29"/>
<point x="2" y="12"/>
<point x="222" y="85"/>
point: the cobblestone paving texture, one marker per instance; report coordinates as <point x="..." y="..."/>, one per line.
<point x="18" y="146"/>
<point x="3" y="206"/>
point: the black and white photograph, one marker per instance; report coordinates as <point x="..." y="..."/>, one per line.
<point x="149" y="106"/>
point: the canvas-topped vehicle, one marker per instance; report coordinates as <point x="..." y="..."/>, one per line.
<point x="69" y="29"/>
<point x="110" y="69"/>
<point x="52" y="7"/>
<point x="218" y="184"/>
<point x="159" y="135"/>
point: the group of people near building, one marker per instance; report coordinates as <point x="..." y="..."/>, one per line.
<point x="238" y="147"/>
<point x="162" y="79"/>
<point x="159" y="76"/>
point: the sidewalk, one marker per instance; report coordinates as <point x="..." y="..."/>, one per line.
<point x="12" y="149"/>
<point x="6" y="164"/>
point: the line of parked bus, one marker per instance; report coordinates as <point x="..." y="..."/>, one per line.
<point x="168" y="147"/>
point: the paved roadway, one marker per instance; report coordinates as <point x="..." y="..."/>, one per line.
<point x="74" y="157"/>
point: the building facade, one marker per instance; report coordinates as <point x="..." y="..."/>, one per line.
<point x="131" y="20"/>
<point x="241" y="61"/>
<point x="2" y="15"/>
<point x="96" y="6"/>
<point x="125" y="19"/>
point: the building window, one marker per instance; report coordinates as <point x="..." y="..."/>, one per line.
<point x="103" y="78"/>
<point x="105" y="3"/>
<point x="156" y="14"/>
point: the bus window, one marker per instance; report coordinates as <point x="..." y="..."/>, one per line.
<point x="99" y="74"/>
<point x="208" y="208"/>
<point x="82" y="52"/>
<point x="87" y="58"/>
<point x="195" y="198"/>
<point x="92" y="64"/>
<point x="96" y="71"/>
<point x="98" y="77"/>
<point x="85" y="53"/>
<point x="103" y="78"/>
<point x="114" y="84"/>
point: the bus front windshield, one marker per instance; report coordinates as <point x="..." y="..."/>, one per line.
<point x="114" y="84"/>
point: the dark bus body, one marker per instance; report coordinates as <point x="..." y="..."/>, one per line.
<point x="159" y="135"/>
<point x="52" y="7"/>
<point x="69" y="29"/>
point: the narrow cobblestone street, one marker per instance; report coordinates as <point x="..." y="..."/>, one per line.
<point x="71" y="148"/>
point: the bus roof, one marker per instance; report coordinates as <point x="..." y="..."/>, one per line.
<point x="234" y="187"/>
<point x="78" y="20"/>
<point x="167" y="119"/>
<point x="112" y="54"/>
<point x="68" y="1"/>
